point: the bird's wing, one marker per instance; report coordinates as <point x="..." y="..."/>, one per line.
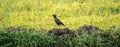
<point x="60" y="22"/>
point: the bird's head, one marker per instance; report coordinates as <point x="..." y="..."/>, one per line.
<point x="54" y="15"/>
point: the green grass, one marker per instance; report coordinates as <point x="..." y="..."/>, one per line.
<point x="26" y="38"/>
<point x="73" y="13"/>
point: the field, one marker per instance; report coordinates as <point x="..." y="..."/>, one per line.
<point x="37" y="14"/>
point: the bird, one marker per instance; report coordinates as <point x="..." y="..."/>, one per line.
<point x="57" y="21"/>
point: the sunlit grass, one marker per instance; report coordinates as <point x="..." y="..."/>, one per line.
<point x="73" y="22"/>
<point x="37" y="14"/>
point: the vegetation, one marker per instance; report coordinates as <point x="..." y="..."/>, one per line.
<point x="37" y="14"/>
<point x="73" y="13"/>
<point x="27" y="38"/>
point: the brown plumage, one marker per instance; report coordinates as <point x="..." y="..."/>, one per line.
<point x="57" y="21"/>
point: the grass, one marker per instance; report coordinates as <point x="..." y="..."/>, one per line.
<point x="37" y="14"/>
<point x="25" y="38"/>
<point x="73" y="13"/>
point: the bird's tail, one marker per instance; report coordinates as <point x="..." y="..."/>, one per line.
<point x="63" y="24"/>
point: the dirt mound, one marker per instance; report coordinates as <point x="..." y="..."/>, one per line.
<point x="61" y="31"/>
<point x="88" y="28"/>
<point x="19" y="28"/>
<point x="11" y="28"/>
